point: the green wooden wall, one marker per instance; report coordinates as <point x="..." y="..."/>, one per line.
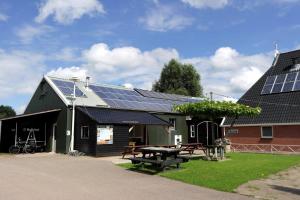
<point x="45" y="99"/>
<point x="157" y="135"/>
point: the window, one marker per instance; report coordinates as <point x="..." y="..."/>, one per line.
<point x="192" y="131"/>
<point x="105" y="134"/>
<point x="278" y="83"/>
<point x="268" y="85"/>
<point x="172" y="121"/>
<point x="267" y="132"/>
<point x="85" y="133"/>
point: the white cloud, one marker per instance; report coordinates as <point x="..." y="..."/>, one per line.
<point x="229" y="72"/>
<point x="128" y="65"/>
<point x="164" y="18"/>
<point x="128" y="85"/>
<point x="67" y="54"/>
<point x="66" y="11"/>
<point x="3" y="17"/>
<point x="27" y="33"/>
<point x="226" y="72"/>
<point x="20" y="109"/>
<point x="102" y="58"/>
<point x="20" y="72"/>
<point x="69" y="72"/>
<point x="201" y="4"/>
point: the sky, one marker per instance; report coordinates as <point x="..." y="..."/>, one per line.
<point x="127" y="42"/>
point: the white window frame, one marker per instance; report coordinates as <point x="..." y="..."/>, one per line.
<point x="192" y="131"/>
<point x="81" y="135"/>
<point x="174" y="126"/>
<point x="266" y="137"/>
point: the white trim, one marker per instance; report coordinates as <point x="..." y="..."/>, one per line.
<point x="174" y="126"/>
<point x="81" y="131"/>
<point x="266" y="137"/>
<point x="266" y="124"/>
<point x="295" y="81"/>
<point x="222" y="122"/>
<point x="286" y="75"/>
<point x="31" y="114"/>
<point x="57" y="91"/>
<point x="273" y="84"/>
<point x="192" y="130"/>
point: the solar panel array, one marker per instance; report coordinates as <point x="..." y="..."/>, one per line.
<point x="160" y="95"/>
<point x="133" y="100"/>
<point x="282" y="83"/>
<point x="67" y="88"/>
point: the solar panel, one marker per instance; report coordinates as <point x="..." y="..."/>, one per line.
<point x="268" y="85"/>
<point x="282" y="83"/>
<point x="67" y="88"/>
<point x="133" y="100"/>
<point x="159" y="95"/>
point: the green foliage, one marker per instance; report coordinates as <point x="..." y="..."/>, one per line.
<point x="6" y="111"/>
<point x="228" y="175"/>
<point x="178" y="78"/>
<point x="216" y="109"/>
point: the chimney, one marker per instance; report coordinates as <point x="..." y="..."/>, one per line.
<point x="87" y="80"/>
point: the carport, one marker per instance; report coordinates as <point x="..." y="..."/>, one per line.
<point x="41" y="125"/>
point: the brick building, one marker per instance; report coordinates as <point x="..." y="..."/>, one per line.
<point x="277" y="92"/>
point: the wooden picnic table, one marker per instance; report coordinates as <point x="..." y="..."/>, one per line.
<point x="191" y="147"/>
<point x="135" y="149"/>
<point x="161" y="157"/>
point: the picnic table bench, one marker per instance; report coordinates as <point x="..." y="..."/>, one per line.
<point x="162" y="157"/>
<point x="134" y="150"/>
<point x="191" y="147"/>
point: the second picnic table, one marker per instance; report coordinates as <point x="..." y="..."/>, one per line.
<point x="161" y="157"/>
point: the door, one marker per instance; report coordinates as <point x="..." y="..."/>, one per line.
<point x="54" y="132"/>
<point x="207" y="132"/>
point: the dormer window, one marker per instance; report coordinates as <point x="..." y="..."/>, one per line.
<point x="296" y="65"/>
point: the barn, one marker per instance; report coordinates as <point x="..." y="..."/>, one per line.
<point x="104" y="118"/>
<point x="277" y="92"/>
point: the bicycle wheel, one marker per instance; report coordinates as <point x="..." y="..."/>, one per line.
<point x="29" y="149"/>
<point x="14" y="149"/>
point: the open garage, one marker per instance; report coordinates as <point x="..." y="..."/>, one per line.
<point x="29" y="132"/>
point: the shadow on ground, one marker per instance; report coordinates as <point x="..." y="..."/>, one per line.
<point x="286" y="189"/>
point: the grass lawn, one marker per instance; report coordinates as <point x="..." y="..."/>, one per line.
<point x="228" y="175"/>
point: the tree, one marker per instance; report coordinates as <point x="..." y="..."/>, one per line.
<point x="178" y="78"/>
<point x="6" y="111"/>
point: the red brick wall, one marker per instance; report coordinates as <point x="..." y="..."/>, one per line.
<point x="281" y="135"/>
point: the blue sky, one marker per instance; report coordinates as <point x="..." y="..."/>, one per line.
<point x="230" y="42"/>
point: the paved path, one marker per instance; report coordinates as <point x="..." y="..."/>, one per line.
<point x="283" y="185"/>
<point x="60" y="177"/>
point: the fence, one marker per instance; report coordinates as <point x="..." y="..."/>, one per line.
<point x="265" y="148"/>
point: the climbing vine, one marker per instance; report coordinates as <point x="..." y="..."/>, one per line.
<point x="215" y="109"/>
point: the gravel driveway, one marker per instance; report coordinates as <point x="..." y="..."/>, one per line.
<point x="67" y="178"/>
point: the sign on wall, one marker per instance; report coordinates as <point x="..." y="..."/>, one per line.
<point x="105" y="135"/>
<point x="232" y="131"/>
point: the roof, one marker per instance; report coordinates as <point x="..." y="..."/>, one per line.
<point x="109" y="116"/>
<point x="31" y="114"/>
<point x="280" y="103"/>
<point x="117" y="97"/>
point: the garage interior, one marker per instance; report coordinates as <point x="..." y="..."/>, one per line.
<point x="40" y="127"/>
